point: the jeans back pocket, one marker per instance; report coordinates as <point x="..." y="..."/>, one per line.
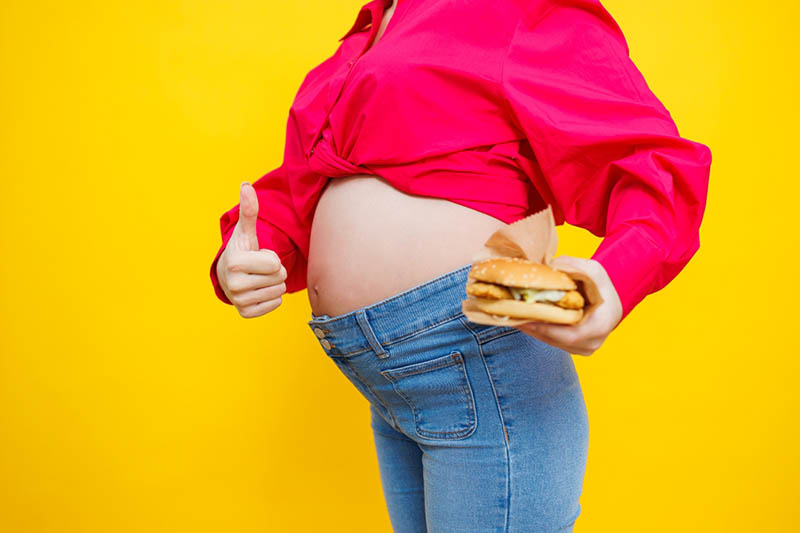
<point x="438" y="394"/>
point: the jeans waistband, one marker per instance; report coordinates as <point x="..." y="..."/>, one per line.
<point x="393" y="319"/>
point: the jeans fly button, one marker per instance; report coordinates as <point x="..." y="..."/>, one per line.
<point x="325" y="344"/>
<point x="319" y="333"/>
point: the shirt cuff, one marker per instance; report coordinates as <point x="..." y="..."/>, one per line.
<point x="633" y="262"/>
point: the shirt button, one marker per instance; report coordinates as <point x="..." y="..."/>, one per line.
<point x="319" y="333"/>
<point x="312" y="152"/>
<point x="325" y="344"/>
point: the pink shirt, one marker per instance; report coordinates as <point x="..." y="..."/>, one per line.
<point x="503" y="106"/>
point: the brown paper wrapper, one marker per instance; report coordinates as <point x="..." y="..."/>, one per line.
<point x="534" y="238"/>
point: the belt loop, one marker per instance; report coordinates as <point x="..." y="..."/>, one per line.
<point x="366" y="329"/>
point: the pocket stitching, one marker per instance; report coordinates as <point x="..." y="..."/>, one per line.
<point x="421" y="367"/>
<point x="490" y="333"/>
<point x="466" y="389"/>
<point x="501" y="334"/>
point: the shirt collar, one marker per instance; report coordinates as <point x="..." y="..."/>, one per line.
<point x="370" y="11"/>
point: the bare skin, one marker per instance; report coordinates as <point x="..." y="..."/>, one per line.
<point x="387" y="15"/>
<point x="370" y="241"/>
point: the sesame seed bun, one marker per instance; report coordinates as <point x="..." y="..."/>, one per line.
<point x="517" y="272"/>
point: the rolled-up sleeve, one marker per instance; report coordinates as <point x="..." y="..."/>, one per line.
<point x="610" y="155"/>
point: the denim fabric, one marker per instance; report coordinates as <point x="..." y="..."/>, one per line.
<point x="477" y="428"/>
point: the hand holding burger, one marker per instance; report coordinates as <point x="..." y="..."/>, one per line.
<point x="589" y="335"/>
<point x="583" y="338"/>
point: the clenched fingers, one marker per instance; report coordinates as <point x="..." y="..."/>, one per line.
<point x="254" y="261"/>
<point x="260" y="308"/>
<point x="247" y="298"/>
<point x="239" y="282"/>
<point x="564" y="337"/>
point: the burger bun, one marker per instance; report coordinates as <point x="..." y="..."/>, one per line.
<point x="518" y="272"/>
<point x="530" y="310"/>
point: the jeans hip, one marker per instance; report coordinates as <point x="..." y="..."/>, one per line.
<point x="429" y="371"/>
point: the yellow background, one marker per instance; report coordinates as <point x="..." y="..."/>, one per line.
<point x="132" y="400"/>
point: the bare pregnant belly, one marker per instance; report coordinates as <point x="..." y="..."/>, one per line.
<point x="370" y="241"/>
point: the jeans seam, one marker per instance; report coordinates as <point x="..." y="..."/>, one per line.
<point x="394" y="425"/>
<point x="493" y="332"/>
<point x="501" y="335"/>
<point x="403" y="338"/>
<point x="371" y="390"/>
<point x="419" y="368"/>
<point x="355" y="352"/>
<point x="414" y="333"/>
<point x="502" y="421"/>
<point x="388" y="436"/>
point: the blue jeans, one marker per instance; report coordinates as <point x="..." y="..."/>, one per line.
<point x="477" y="428"/>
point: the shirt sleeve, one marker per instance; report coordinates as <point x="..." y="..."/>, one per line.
<point x="610" y="155"/>
<point x="278" y="226"/>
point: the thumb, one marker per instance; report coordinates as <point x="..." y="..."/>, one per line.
<point x="248" y="213"/>
<point x="561" y="259"/>
<point x="568" y="261"/>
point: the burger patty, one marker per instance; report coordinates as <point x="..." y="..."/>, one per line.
<point x="571" y="300"/>
<point x="488" y="290"/>
<point x="491" y="291"/>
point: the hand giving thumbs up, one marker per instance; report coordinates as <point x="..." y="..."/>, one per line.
<point x="252" y="278"/>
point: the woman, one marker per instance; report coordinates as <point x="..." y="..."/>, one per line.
<point x="433" y="124"/>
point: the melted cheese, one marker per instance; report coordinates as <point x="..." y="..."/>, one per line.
<point x="536" y="295"/>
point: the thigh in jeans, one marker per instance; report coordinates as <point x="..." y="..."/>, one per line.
<point x="498" y="422"/>
<point x="540" y="398"/>
<point x="400" y="467"/>
<point x="500" y="419"/>
<point x="438" y="389"/>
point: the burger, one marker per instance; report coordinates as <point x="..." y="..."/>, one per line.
<point x="518" y="288"/>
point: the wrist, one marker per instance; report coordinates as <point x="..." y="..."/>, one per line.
<point x="612" y="309"/>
